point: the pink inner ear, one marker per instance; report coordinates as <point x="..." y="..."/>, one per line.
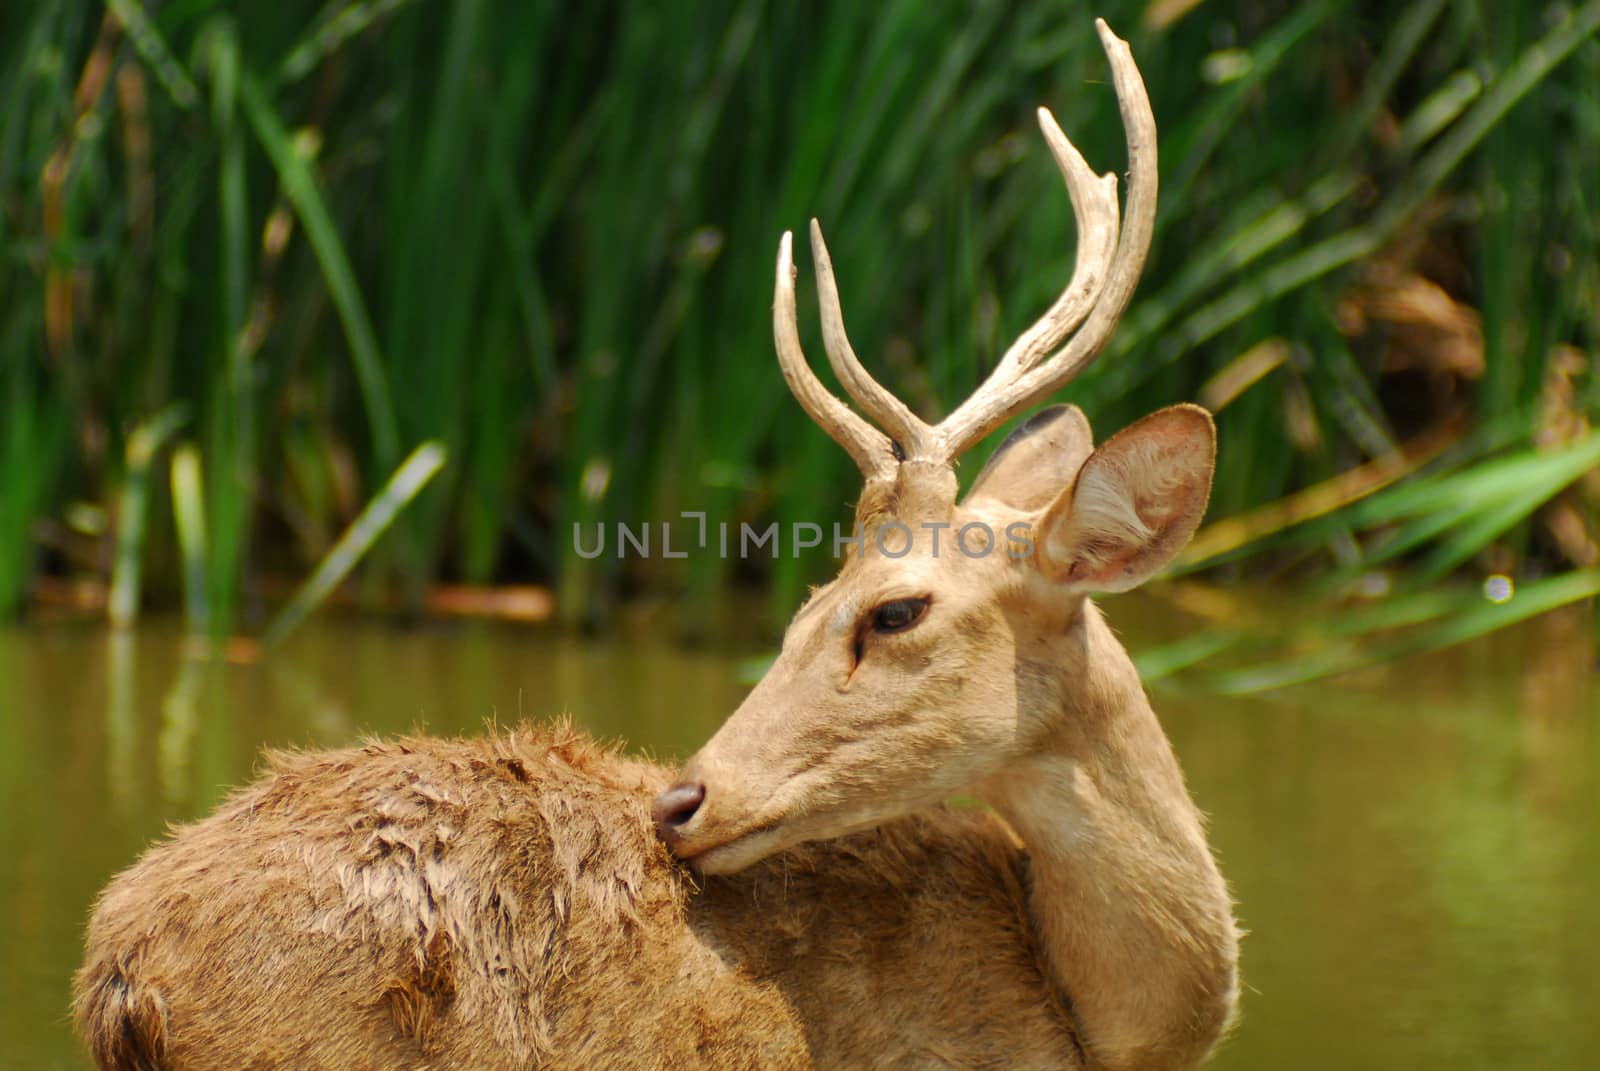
<point x="1110" y="567"/>
<point x="1137" y="500"/>
<point x="1164" y="477"/>
<point x="1160" y="510"/>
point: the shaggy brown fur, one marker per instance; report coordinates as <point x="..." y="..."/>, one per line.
<point x="504" y="903"/>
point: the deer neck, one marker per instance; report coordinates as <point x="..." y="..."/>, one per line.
<point x="1134" y="921"/>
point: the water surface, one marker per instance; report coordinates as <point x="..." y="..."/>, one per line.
<point x="1416" y="851"/>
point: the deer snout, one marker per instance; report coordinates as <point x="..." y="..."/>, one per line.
<point x="675" y="808"/>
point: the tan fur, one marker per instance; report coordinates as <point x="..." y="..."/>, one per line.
<point x="1012" y="686"/>
<point x="504" y="903"/>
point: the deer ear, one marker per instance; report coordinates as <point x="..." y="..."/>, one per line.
<point x="1136" y="502"/>
<point x="1036" y="461"/>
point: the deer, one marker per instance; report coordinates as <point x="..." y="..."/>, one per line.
<point x="800" y="893"/>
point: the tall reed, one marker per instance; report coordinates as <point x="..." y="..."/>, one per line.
<point x="541" y="236"/>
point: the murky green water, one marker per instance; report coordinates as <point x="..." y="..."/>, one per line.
<point x="1416" y="852"/>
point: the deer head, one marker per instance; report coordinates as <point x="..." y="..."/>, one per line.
<point x="921" y="669"/>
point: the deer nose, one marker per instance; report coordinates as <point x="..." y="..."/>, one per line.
<point x="675" y="807"/>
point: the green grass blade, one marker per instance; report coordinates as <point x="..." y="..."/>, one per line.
<point x="406" y="483"/>
<point x="330" y="34"/>
<point x="231" y="434"/>
<point x="152" y="47"/>
<point x="134" y="509"/>
<point x="1158" y="663"/>
<point x="1464" y="618"/>
<point x="189" y="517"/>
<point x="300" y="186"/>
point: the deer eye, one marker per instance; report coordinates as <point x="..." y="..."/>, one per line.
<point x="897" y="615"/>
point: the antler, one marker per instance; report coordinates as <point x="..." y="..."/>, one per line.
<point x="1109" y="260"/>
<point x="1024" y="374"/>
<point x="873" y="452"/>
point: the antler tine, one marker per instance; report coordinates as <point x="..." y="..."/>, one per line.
<point x="1094" y="210"/>
<point x="1021" y="378"/>
<point x="871" y="449"/>
<point x="889" y="412"/>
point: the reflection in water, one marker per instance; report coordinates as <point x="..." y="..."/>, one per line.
<point x="180" y="721"/>
<point x="122" y="681"/>
<point x="1415" y="850"/>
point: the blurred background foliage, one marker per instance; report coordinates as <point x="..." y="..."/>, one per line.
<point x="282" y="279"/>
